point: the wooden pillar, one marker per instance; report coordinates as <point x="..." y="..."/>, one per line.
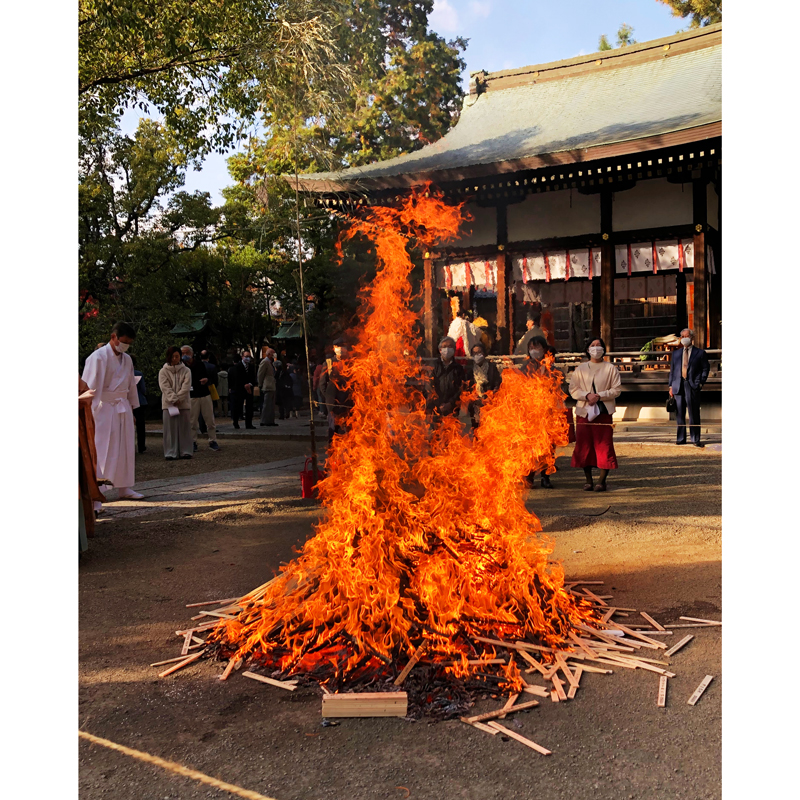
<point x="428" y="310"/>
<point x="699" y="215"/>
<point x="608" y="271"/>
<point x="505" y="297"/>
<point x="596" y="308"/>
<point x="681" y="315"/>
<point x="715" y="283"/>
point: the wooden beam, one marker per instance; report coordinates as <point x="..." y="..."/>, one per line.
<point x="504" y="335"/>
<point x="365" y="704"/>
<point x="539" y="749"/>
<point x="700" y="220"/>
<point x="428" y="309"/>
<point x="608" y="269"/>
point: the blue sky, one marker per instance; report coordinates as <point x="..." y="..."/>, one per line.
<point x="504" y="34"/>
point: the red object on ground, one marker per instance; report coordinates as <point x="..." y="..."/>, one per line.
<point x="308" y="480"/>
<point x="594" y="443"/>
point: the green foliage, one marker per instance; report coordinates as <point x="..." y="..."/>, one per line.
<point x="206" y="66"/>
<point x="624" y="38"/>
<point x="604" y="44"/>
<point x="701" y="12"/>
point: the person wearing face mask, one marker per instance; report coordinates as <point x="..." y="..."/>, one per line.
<point x="532" y="329"/>
<point x="535" y="366"/>
<point x="446" y="383"/>
<point x="687" y="374"/>
<point x="175" y="382"/>
<point x="482" y="376"/>
<point x="241" y="380"/>
<point x="109" y="372"/>
<point x="595" y="384"/>
<point x="200" y="398"/>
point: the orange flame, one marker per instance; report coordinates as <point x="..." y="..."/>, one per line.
<point x="426" y="538"/>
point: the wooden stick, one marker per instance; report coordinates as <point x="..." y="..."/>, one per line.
<point x="181" y="665"/>
<point x="527" y="742"/>
<point x="500" y="712"/>
<point x="536" y="691"/>
<point x="204" y="627"/>
<point x="700" y="689"/>
<point x="365" y="704"/>
<point x="168" y="661"/>
<point x="554" y="696"/>
<point x="562" y="695"/>
<point x="655" y="624"/>
<point x="610" y="613"/>
<point x="575" y="686"/>
<point x="662" y="691"/>
<point x="212" y="602"/>
<point x="288" y="685"/>
<point x="228" y="670"/>
<point x="694" y="625"/>
<point x="480" y="726"/>
<point x="582" y="644"/>
<point x="586" y="583"/>
<point x="411" y="664"/>
<point x="706" y="621"/>
<point x="637" y="635"/>
<point x="532" y="661"/>
<point x="594" y="597"/>
<point x="187" y="640"/>
<point x="517" y="646"/>
<point x="598" y="670"/>
<point x="472" y="662"/>
<point x="674" y="649"/>
<point x="510" y="702"/>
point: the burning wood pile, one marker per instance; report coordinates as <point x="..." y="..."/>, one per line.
<point x="427" y="571"/>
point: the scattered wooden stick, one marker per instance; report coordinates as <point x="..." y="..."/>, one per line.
<point x="536" y="691"/>
<point x="662" y="691"/>
<point x="532" y="661"/>
<point x="204" y="627"/>
<point x="500" y="712"/>
<point x="187" y="640"/>
<point x="586" y="583"/>
<point x="180" y="665"/>
<point x="212" y="602"/>
<point x="695" y="625"/>
<point x="527" y="742"/>
<point x="641" y="636"/>
<point x="554" y="696"/>
<point x="700" y="689"/>
<point x="411" y="664"/>
<point x="610" y="613"/>
<point x="480" y="726"/>
<point x="562" y="695"/>
<point x="655" y="624"/>
<point x="674" y="649"/>
<point x="510" y="702"/>
<point x="706" y="621"/>
<point x="594" y="597"/>
<point x="289" y="685"/>
<point x="228" y="670"/>
<point x="168" y="661"/>
<point x="598" y="670"/>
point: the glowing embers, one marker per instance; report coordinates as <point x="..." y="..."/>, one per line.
<point x="425" y="538"/>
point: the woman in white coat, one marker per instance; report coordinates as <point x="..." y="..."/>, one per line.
<point x="595" y="384"/>
<point x="175" y="382"/>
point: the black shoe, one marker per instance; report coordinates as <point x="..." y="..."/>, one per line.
<point x="262" y="424"/>
<point x="546" y="484"/>
<point x="698" y="444"/>
<point x="272" y="424"/>
<point x="680" y="442"/>
<point x="170" y="458"/>
<point x="194" y="447"/>
<point x="213" y="445"/>
<point x="236" y="425"/>
<point x="142" y="449"/>
<point x="187" y="455"/>
<point x="250" y="427"/>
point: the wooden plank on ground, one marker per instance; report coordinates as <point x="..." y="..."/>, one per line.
<point x="288" y="685"/>
<point x="366" y="704"/>
<point x="674" y="649"/>
<point x="533" y="662"/>
<point x="212" y="602"/>
<point x="700" y="689"/>
<point x="187" y="640"/>
<point x="706" y="621"/>
<point x="510" y="702"/>
<point x="655" y="624"/>
<point x="228" y="670"/>
<point x="181" y="665"/>
<point x="527" y="742"/>
<point x="536" y="691"/>
<point x="559" y="686"/>
<point x="662" y="691"/>
<point x="480" y="726"/>
<point x="168" y="661"/>
<point x="500" y="712"/>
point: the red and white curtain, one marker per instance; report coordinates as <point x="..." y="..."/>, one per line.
<point x="461" y="275"/>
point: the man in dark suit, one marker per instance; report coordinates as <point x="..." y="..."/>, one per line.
<point x="687" y="374"/>
<point x="241" y="380"/>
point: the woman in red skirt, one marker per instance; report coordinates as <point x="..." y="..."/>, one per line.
<point x="595" y="384"/>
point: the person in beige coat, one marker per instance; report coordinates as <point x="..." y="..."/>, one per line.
<point x="595" y="384"/>
<point x="175" y="382"/>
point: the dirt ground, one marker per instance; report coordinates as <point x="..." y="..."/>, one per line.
<point x="654" y="539"/>
<point x="151" y="464"/>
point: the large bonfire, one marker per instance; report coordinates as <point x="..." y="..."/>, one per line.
<point x="425" y="545"/>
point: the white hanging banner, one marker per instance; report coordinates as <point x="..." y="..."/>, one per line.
<point x="462" y="274"/>
<point x="579" y="263"/>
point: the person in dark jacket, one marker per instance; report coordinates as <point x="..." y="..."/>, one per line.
<point x="338" y="399"/>
<point x="241" y="380"/>
<point x="447" y="382"/>
<point x="688" y="373"/>
<point x="200" y="397"/>
<point x="139" y="414"/>
<point x="483" y="376"/>
<point x="284" y="396"/>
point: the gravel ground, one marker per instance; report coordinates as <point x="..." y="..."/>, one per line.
<point x="654" y="538"/>
<point x="151" y="464"/>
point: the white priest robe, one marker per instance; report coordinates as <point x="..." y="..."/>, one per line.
<point x="111" y="376"/>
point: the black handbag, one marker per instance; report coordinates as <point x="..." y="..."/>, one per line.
<point x="672" y="406"/>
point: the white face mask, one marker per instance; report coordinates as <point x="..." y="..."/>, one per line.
<point x="447" y="353"/>
<point x="686" y="341"/>
<point x="596" y="352"/>
<point x="339" y="351"/>
<point x="479" y="358"/>
<point x="122" y="347"/>
<point x="536" y="353"/>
